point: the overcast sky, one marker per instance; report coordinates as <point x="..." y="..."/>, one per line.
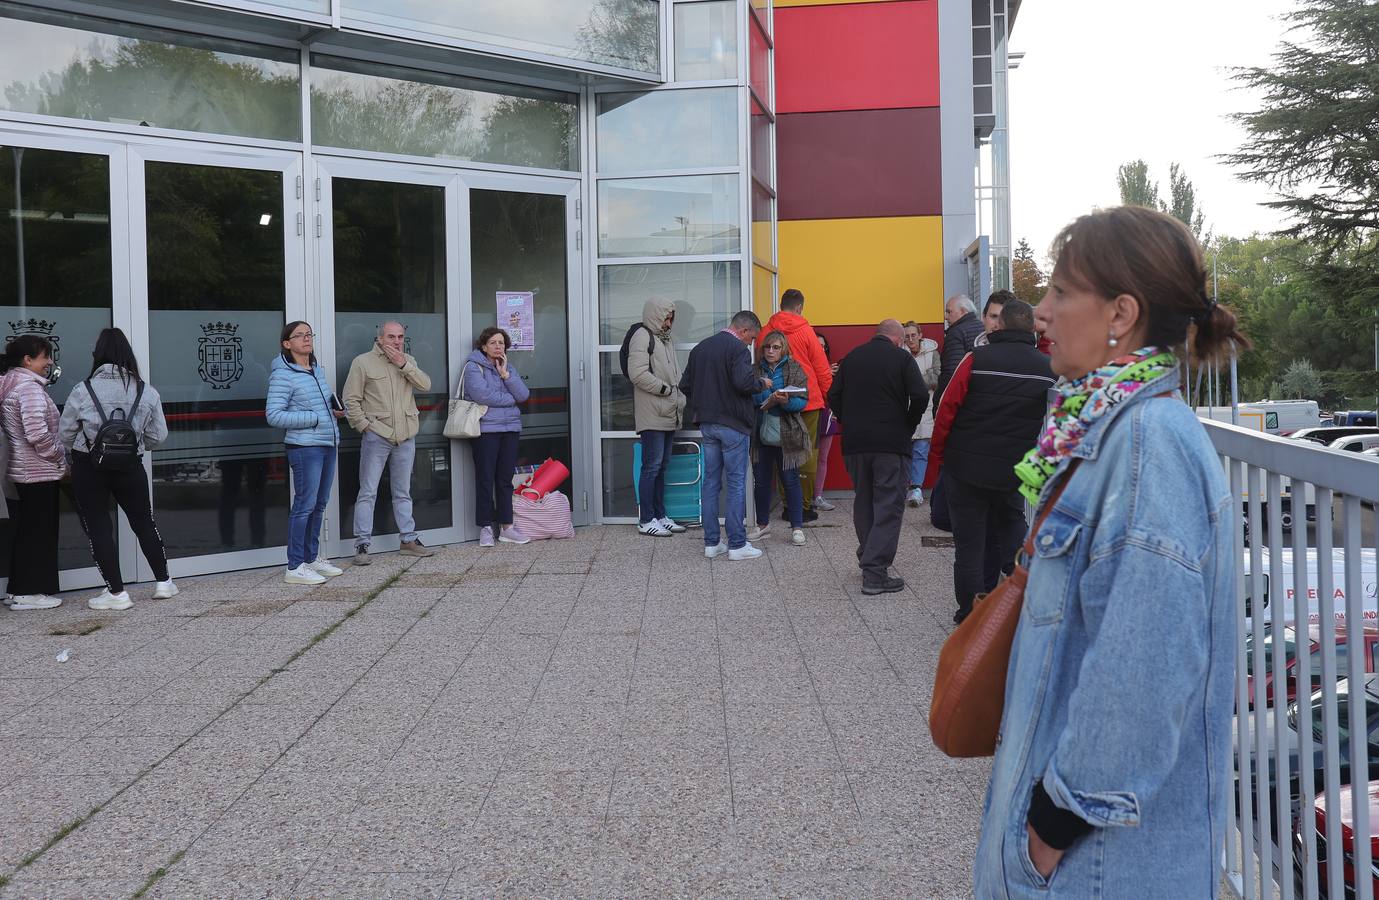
<point x="1104" y="82"/>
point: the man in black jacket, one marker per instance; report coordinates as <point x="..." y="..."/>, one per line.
<point x="718" y="383"/>
<point x="988" y="419"/>
<point x="878" y="396"/>
<point x="961" y="330"/>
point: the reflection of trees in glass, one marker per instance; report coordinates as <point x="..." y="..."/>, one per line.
<point x="58" y="207"/>
<point x="392" y="115"/>
<point x="207" y="245"/>
<point x="623" y="33"/>
<point x="168" y="86"/>
<point x="389" y="247"/>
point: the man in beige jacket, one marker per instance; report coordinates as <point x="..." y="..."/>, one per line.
<point x="380" y="405"/>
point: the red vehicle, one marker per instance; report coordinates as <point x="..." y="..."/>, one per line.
<point x="1290" y="642"/>
<point x="1347" y="842"/>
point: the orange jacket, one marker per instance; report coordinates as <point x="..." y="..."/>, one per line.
<point x="805" y="348"/>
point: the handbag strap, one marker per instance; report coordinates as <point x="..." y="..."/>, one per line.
<point x="1028" y="548"/>
<point x="459" y="394"/>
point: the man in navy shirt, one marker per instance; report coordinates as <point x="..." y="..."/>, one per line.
<point x="718" y="383"/>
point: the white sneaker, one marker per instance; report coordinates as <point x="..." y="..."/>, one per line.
<point x="916" y="497"/>
<point x="107" y="600"/>
<point x="7" y="600"/>
<point x="304" y="574"/>
<point x="671" y="525"/>
<point x="716" y="550"/>
<point x="653" y="528"/>
<point x="759" y="532"/>
<point x="797" y="537"/>
<point x="21" y="602"/>
<point x="165" y="590"/>
<point x="322" y="566"/>
<point x="821" y="503"/>
<point x="746" y="551"/>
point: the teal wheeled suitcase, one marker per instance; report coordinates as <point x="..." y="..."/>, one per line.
<point x="684" y="476"/>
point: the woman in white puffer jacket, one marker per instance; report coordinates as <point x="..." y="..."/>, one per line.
<point x="36" y="464"/>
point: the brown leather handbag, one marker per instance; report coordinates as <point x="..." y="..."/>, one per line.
<point x="970" y="686"/>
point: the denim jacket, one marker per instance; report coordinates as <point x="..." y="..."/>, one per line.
<point x="1119" y="692"/>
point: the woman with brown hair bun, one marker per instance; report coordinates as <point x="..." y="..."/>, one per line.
<point x="1111" y="771"/>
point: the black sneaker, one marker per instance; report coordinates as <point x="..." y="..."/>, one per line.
<point x="890" y="586"/>
<point x="961" y="614"/>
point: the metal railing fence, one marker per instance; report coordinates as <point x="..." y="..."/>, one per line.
<point x="1288" y="755"/>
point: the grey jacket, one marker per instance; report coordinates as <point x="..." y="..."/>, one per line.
<point x="80" y="421"/>
<point x="654" y="369"/>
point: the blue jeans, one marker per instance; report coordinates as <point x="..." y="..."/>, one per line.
<point x="313" y="468"/>
<point x="651" y="486"/>
<point x="375" y="453"/>
<point x="919" y="461"/>
<point x="769" y="465"/>
<point x="725" y="451"/>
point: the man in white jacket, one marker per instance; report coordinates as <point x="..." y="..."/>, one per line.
<point x="926" y="356"/>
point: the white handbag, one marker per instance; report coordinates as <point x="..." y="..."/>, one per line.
<point x="463" y="421"/>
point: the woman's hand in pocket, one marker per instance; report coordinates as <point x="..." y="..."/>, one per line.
<point x="1044" y="857"/>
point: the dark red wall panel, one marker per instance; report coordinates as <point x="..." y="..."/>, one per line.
<point x="857" y="56"/>
<point x="859" y="163"/>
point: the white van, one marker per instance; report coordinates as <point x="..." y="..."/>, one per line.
<point x="1281" y="417"/>
<point x="1358" y="443"/>
<point x="1278" y="585"/>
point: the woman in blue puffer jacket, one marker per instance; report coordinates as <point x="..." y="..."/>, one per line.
<point x="489" y="379"/>
<point x="301" y="401"/>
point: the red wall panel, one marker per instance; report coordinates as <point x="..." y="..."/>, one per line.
<point x="859" y="163"/>
<point x="857" y="56"/>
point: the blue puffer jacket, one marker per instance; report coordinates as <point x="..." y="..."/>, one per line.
<point x="483" y="384"/>
<point x="299" y="401"/>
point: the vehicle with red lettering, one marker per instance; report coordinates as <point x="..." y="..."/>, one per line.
<point x="1277" y="583"/>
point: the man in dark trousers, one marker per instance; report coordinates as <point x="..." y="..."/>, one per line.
<point x="961" y="328"/>
<point x="878" y="396"/>
<point x="988" y="419"/>
<point x="718" y="383"/>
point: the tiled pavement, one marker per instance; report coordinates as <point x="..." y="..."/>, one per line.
<point x="612" y="715"/>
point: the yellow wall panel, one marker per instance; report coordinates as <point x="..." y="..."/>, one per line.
<point x="860" y="271"/>
<point x="763" y="293"/>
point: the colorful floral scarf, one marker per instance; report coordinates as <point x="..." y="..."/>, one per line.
<point x="1079" y="404"/>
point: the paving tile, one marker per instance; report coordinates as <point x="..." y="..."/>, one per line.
<point x="693" y="793"/>
<point x="372" y="885"/>
<point x="74" y="888"/>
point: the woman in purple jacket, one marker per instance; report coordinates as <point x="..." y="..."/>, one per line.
<point x="36" y="465"/>
<point x="489" y="379"/>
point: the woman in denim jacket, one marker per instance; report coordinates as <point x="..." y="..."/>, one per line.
<point x="1112" y="768"/>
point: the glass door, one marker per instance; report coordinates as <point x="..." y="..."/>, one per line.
<point x="525" y="278"/>
<point x="62" y="276"/>
<point x="216" y="262"/>
<point x="389" y="243"/>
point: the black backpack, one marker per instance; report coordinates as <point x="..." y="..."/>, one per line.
<point x="116" y="447"/>
<point x="627" y="341"/>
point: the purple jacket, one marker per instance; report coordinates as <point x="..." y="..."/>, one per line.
<point x="483" y="384"/>
<point x="30" y="419"/>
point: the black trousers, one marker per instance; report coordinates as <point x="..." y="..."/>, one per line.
<point x="33" y="550"/>
<point x="878" y="509"/>
<point x="495" y="458"/>
<point x="980" y="514"/>
<point x="93" y="489"/>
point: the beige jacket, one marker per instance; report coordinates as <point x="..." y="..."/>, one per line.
<point x="378" y="396"/>
<point x="653" y="366"/>
<point x="928" y="362"/>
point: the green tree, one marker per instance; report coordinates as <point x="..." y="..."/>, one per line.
<point x="1300" y="381"/>
<point x="1315" y="138"/>
<point x="1027" y="281"/>
<point x="1182" y="203"/>
<point x="1135" y="187"/>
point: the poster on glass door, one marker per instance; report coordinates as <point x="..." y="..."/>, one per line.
<point x="517" y="316"/>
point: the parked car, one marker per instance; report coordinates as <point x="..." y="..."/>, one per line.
<point x="1372" y="451"/>
<point x="1358" y="443"/>
<point x="1270" y="765"/>
<point x="1347" y="842"/>
<point x="1325" y="434"/>
<point x="1290" y="642"/>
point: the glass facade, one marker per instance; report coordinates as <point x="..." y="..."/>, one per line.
<point x="234" y="232"/>
<point x="621" y="33"/>
<point x="390" y="110"/>
<point x="64" y="66"/>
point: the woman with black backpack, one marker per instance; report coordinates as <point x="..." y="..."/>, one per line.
<point x="109" y="419"/>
